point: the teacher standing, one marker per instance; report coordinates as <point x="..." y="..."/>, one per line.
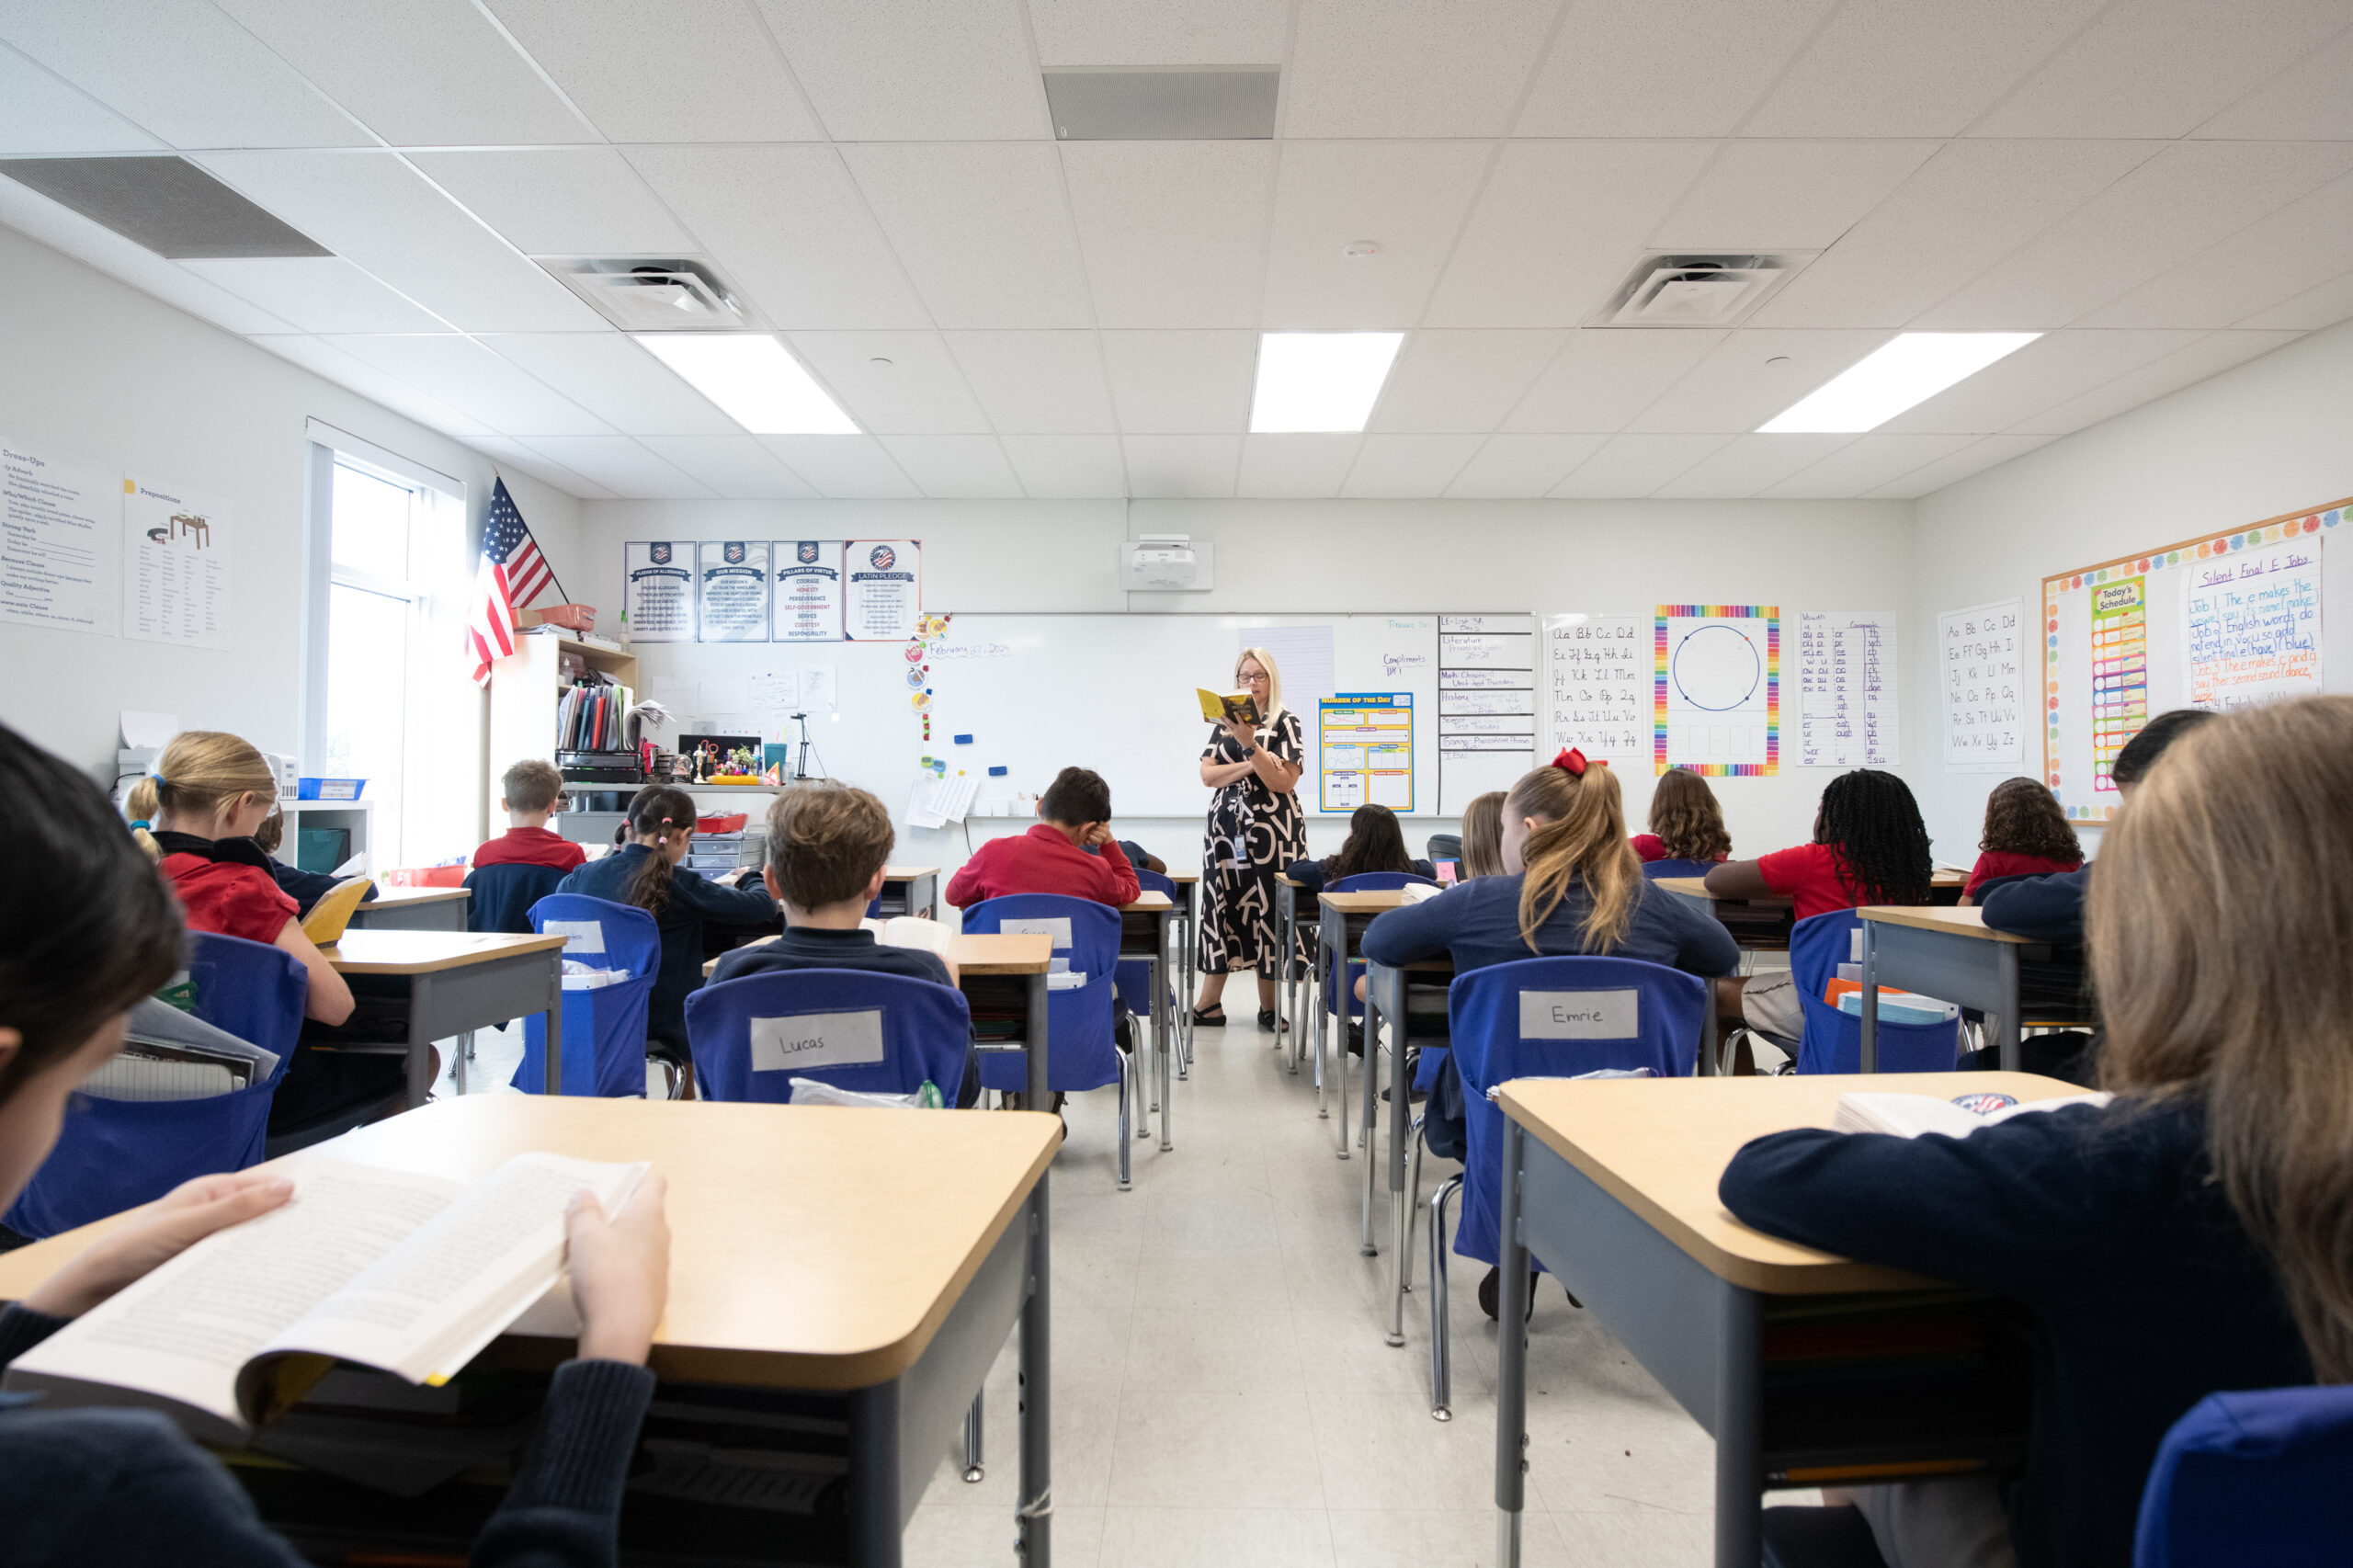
<point x="1257" y="826"/>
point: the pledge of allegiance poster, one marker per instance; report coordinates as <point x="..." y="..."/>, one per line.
<point x="658" y="581"/>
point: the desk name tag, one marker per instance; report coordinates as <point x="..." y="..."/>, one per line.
<point x="579" y="936"/>
<point x="816" y="1040"/>
<point x="1580" y="1015"/>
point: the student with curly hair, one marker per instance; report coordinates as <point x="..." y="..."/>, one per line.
<point x="1687" y="822"/>
<point x="2026" y="836"/>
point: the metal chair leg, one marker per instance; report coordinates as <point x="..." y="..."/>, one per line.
<point x="1126" y="1089"/>
<point x="1412" y="1191"/>
<point x="972" y="1469"/>
<point x="1442" y="1368"/>
<point x="457" y="1067"/>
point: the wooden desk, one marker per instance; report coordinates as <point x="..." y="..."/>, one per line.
<point x="1615" y="1191"/>
<point x="1946" y="953"/>
<point x="1341" y="919"/>
<point x="831" y="1273"/>
<point x="909" y="890"/>
<point x="1763" y="925"/>
<point x="454" y="983"/>
<point x="413" y="909"/>
<point x="1144" y="934"/>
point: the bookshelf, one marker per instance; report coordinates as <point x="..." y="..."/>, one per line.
<point x="523" y="691"/>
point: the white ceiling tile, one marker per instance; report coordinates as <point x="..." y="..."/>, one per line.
<point x="1407" y="198"/>
<point x="514" y="454"/>
<point x="357" y="376"/>
<point x="1786" y="194"/>
<point x="1461" y="381"/>
<point x="1408" y="466"/>
<point x="1979" y="455"/>
<point x="844" y="467"/>
<point x="1560" y="224"/>
<point x="39" y="114"/>
<point x="418" y="73"/>
<point x="2310" y="101"/>
<point x="1522" y="467"/>
<point x="2162" y="67"/>
<point x="1913" y="67"/>
<point x="1037" y="381"/>
<point x="2310" y="310"/>
<point x="180" y="70"/>
<point x="1410" y="67"/>
<point x="30" y="212"/>
<point x="1629" y="466"/>
<point x="2187" y="197"/>
<point x="1606" y="376"/>
<point x="1738" y="386"/>
<point x="557" y="200"/>
<point x="615" y="380"/>
<point x="621" y="466"/>
<point x="1173" y="233"/>
<point x="1663" y="67"/>
<point x="951" y="468"/>
<point x="2302" y="246"/>
<point x="1296" y="467"/>
<point x="1181" y="382"/>
<point x="913" y="70"/>
<point x="919" y="390"/>
<point x="736" y="466"/>
<point x="1968" y="207"/>
<point x="1181" y="465"/>
<point x="1068" y="466"/>
<point x="318" y="293"/>
<point x="787" y="226"/>
<point x="1864" y="463"/>
<point x="475" y="382"/>
<point x="375" y="210"/>
<point x="2193" y="362"/>
<point x="1748" y="464"/>
<point x="2052" y="368"/>
<point x="1153" y="32"/>
<point x="981" y="228"/>
<point x="685" y="70"/>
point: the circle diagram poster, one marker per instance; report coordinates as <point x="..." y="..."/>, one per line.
<point x="1716" y="689"/>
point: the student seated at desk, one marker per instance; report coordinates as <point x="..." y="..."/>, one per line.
<point x="305" y="888"/>
<point x="643" y="870"/>
<point x="530" y="793"/>
<point x="2189" y="1237"/>
<point x="1483" y="831"/>
<point x="124" y="1487"/>
<point x="1687" y="822"/>
<point x="1052" y="857"/>
<point x="2026" y="835"/>
<point x="1375" y="843"/>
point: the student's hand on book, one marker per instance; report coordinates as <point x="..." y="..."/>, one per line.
<point x="169" y="1226"/>
<point x="621" y="1271"/>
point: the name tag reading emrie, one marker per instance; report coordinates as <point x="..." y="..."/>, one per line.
<point x="816" y="1040"/>
<point x="579" y="936"/>
<point x="1580" y="1015"/>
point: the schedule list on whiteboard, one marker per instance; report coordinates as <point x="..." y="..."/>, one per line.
<point x="1846" y="685"/>
<point x="1984" y="687"/>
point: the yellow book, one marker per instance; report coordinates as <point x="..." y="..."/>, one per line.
<point x="1220" y="707"/>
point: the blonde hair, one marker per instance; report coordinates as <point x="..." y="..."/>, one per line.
<point x="200" y="771"/>
<point x="1274" y="677"/>
<point x="1687" y="818"/>
<point x="1482" y="836"/>
<point x="2219" y="919"/>
<point x="1583" y="837"/>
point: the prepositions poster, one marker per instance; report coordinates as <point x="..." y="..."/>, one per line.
<point x="1596" y="686"/>
<point x="883" y="591"/>
<point x="2250" y="627"/>
<point x="1367" y="749"/>
<point x="1983" y="680"/>
<point x="1716" y="689"/>
<point x="61" y="540"/>
<point x="1847" y="712"/>
<point x="658" y="589"/>
<point x="734" y="591"/>
<point x="176" y="545"/>
<point x="808" y="590"/>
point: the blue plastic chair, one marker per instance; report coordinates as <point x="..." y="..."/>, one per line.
<point x="2252" y="1477"/>
<point x="1081" y="1049"/>
<point x="115" y="1154"/>
<point x="1657" y="868"/>
<point x="1834" y="1040"/>
<point x="920" y="1030"/>
<point x="604" y="1030"/>
<point x="502" y="896"/>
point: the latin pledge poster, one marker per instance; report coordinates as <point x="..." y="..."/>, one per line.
<point x="885" y="589"/>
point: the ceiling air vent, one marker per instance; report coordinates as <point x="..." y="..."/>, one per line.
<point x="652" y="294"/>
<point x="166" y="204"/>
<point x="1199" y="103"/>
<point x="1697" y="291"/>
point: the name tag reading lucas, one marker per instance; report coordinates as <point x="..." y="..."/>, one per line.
<point x="1580" y="1015"/>
<point x="816" y="1040"/>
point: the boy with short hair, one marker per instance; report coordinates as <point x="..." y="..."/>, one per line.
<point x="531" y="791"/>
<point x="1053" y="856"/>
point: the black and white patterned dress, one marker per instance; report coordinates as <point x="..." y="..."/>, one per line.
<point x="1253" y="834"/>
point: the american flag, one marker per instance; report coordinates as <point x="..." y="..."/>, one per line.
<point x="512" y="577"/>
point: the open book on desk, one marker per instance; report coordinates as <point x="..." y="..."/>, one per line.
<point x="409" y="1274"/>
<point x="1908" y="1116"/>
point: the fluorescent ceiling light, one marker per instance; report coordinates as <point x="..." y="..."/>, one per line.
<point x="753" y="380"/>
<point x="1910" y="368"/>
<point x="1319" y="380"/>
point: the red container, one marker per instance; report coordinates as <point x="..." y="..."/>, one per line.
<point x="732" y="822"/>
<point x="426" y="876"/>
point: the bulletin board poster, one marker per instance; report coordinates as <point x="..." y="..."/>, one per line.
<point x="1982" y="653"/>
<point x="808" y="590"/>
<point x="2250" y="626"/>
<point x="61" y="540"/>
<point x="1716" y="689"/>
<point x="884" y="597"/>
<point x="734" y="591"/>
<point x="1365" y="750"/>
<point x="177" y="554"/>
<point x="658" y="590"/>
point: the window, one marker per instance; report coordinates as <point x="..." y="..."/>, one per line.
<point x="371" y="612"/>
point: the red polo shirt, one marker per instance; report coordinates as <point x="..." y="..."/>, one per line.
<point x="532" y="846"/>
<point x="228" y="898"/>
<point x="1042" y="860"/>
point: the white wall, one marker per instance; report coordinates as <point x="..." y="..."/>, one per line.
<point x="92" y="366"/>
<point x="2271" y="436"/>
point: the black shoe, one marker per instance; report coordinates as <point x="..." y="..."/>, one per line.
<point x="1266" y="1020"/>
<point x="1214" y="1014"/>
<point x="1572" y="1295"/>
<point x="1491" y="1290"/>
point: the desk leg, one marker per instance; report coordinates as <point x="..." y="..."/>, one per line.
<point x="1034" y="1027"/>
<point x="1709" y="1066"/>
<point x="1400" y="1132"/>
<point x="1511" y="1360"/>
<point x="554" y="1085"/>
<point x="1286" y="934"/>
<point x="1371" y="1070"/>
<point x="1740" y="1428"/>
<point x="1164" y="1034"/>
<point x="1869" y="1063"/>
<point x="1371" y="1066"/>
<point x="420" y="1039"/>
<point x="1034" y="1510"/>
<point x="1184" y="1014"/>
<point x="874" y="1437"/>
<point x="2005" y="1022"/>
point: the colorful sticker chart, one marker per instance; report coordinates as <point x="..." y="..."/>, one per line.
<point x="2120" y="672"/>
<point x="1716" y="689"/>
<point x="1847" y="686"/>
<point x="1366" y="750"/>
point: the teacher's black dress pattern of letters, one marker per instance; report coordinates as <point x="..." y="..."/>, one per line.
<point x="1253" y="834"/>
